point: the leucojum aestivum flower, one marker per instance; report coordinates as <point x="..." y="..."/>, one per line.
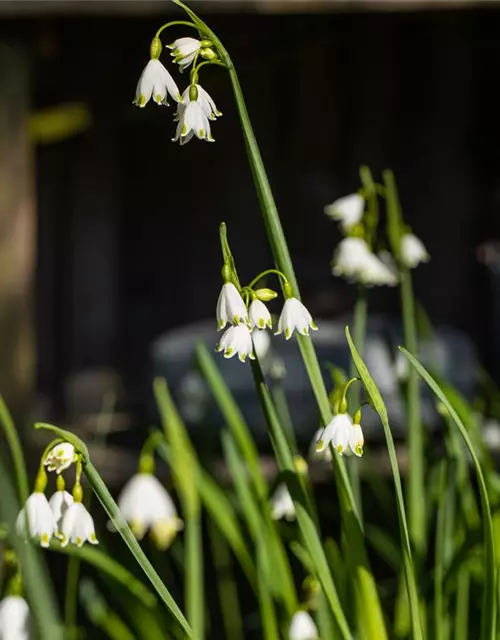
<point x="256" y="521"/>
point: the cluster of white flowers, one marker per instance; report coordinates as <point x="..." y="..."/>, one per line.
<point x="195" y="107"/>
<point x="146" y="505"/>
<point x="63" y="516"/>
<point x="237" y="339"/>
<point x="353" y="257"/>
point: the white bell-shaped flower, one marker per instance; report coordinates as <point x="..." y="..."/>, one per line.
<point x="282" y="504"/>
<point x="324" y="454"/>
<point x="259" y="315"/>
<point x="38" y="515"/>
<point x="261" y="343"/>
<point x="413" y="251"/>
<point x="350" y="258"/>
<point x="146" y="505"/>
<point x="77" y="526"/>
<point x="59" y="502"/>
<point x="294" y="315"/>
<point x="205" y="101"/>
<point x="354" y="260"/>
<point x="184" y="50"/>
<point x="155" y="82"/>
<point x="338" y="432"/>
<point x="60" y="457"/>
<point x="347" y="210"/>
<point x="237" y="340"/>
<point x="15" y="619"/>
<point x="303" y="627"/>
<point x="230" y="307"/>
<point x="193" y="116"/>
<point x="378" y="273"/>
<point x="356" y="440"/>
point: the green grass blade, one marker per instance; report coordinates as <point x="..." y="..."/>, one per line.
<point x="222" y="514"/>
<point x="226" y="584"/>
<point x="268" y="613"/>
<point x="233" y="417"/>
<point x="16" y="451"/>
<point x="100" y="613"/>
<point x="462" y="605"/>
<point x="380" y="408"/>
<point x="185" y="469"/>
<point x="440" y="610"/>
<point x="238" y="470"/>
<point x="279" y="575"/>
<point x="194" y="575"/>
<point x="488" y="624"/>
<point x="417" y="522"/>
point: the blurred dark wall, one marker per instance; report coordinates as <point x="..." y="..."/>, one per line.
<point x="128" y="221"/>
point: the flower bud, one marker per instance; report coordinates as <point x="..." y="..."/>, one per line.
<point x="208" y="54"/>
<point x="266" y="294"/>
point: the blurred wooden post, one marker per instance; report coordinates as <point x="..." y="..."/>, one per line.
<point x="17" y="236"/>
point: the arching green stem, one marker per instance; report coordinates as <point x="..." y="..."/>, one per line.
<point x="175" y="23"/>
<point x="267" y="272"/>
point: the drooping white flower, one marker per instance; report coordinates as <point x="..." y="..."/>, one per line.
<point x="354" y="260"/>
<point x="261" y="343"/>
<point x="59" y="502"/>
<point x="39" y="517"/>
<point x="14" y="618"/>
<point x="194" y="114"/>
<point x="324" y="454"/>
<point x="378" y="273"/>
<point x="259" y="315"/>
<point x="60" y="457"/>
<point x="237" y="340"/>
<point x="205" y="101"/>
<point x="413" y="251"/>
<point x="303" y="627"/>
<point x="145" y="504"/>
<point x="343" y="435"/>
<point x="282" y="504"/>
<point x="350" y="258"/>
<point x="155" y="82"/>
<point x="347" y="210"/>
<point x="230" y="307"/>
<point x="77" y="526"/>
<point x="184" y="51"/>
<point x="295" y="316"/>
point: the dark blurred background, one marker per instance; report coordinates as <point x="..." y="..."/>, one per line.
<point x="109" y="232"/>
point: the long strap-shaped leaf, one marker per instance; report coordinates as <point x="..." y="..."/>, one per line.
<point x="488" y="623"/>
<point x="380" y="408"/>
